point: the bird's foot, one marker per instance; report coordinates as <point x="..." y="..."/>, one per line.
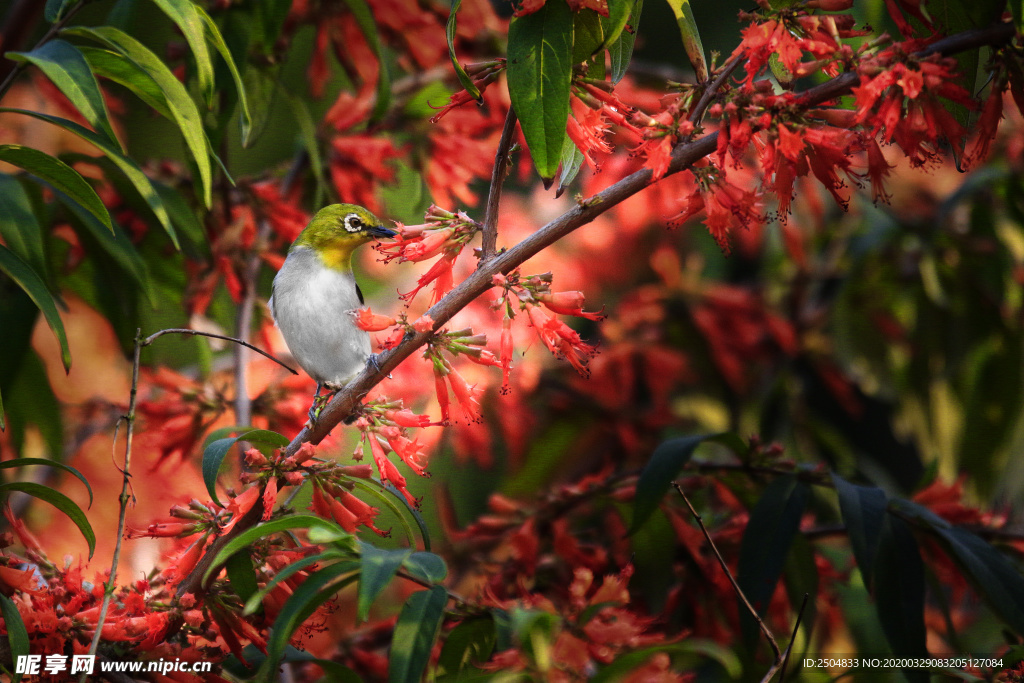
<point x="320" y="401"/>
<point x="374" y="360"/>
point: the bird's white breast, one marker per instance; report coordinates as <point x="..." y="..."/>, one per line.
<point x="313" y="305"/>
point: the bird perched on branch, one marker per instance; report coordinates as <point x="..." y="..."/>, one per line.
<point x="315" y="297"/>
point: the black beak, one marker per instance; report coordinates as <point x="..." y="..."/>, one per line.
<point x="380" y="231"/>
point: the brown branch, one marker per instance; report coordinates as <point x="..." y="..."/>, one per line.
<point x="489" y="242"/>
<point x="735" y="586"/>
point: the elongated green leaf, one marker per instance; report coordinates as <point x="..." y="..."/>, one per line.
<point x="134" y="174"/>
<point x="621" y="49"/>
<point x="773" y="523"/>
<point x="59" y="501"/>
<point x="213" y="34"/>
<point x="241" y="575"/>
<point x="572" y="161"/>
<point x="398" y="505"/>
<point x="307" y="133"/>
<point x="17" y="634"/>
<point x="449" y="32"/>
<point x="471" y="642"/>
<point x="114" y="67"/>
<point x="899" y="593"/>
<point x="19" y="226"/>
<point x="691" y="647"/>
<point x="256" y="598"/>
<point x="691" y="37"/>
<point x="55" y="9"/>
<point x="618" y="15"/>
<point x="377" y="568"/>
<point x="539" y="79"/>
<point x="33" y="285"/>
<point x="310" y="594"/>
<point x="184" y="14"/>
<point x="66" y="67"/>
<point x="261" y="85"/>
<point x="415" y="633"/>
<point x="994" y="576"/>
<point x="214" y="453"/>
<point x="427" y="566"/>
<point x="665" y="464"/>
<point x="183" y="109"/>
<point x="60" y="176"/>
<point x="25" y="462"/>
<point x="587" y="35"/>
<point x="863" y="511"/>
<point x="274" y="526"/>
<point x="364" y="19"/>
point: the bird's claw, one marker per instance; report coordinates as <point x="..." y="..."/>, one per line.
<point x="374" y="360"/>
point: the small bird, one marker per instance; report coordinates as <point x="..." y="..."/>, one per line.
<point x="315" y="297"/>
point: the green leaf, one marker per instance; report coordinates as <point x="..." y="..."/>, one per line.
<point x="33" y="285"/>
<point x="469" y="643"/>
<point x="66" y="67"/>
<point x="261" y="83"/>
<point x="114" y="67"/>
<point x="364" y="19"/>
<point x="182" y="108"/>
<point x="17" y="634"/>
<point x="60" y="176"/>
<point x="863" y="511"/>
<point x="253" y="603"/>
<point x="449" y="32"/>
<point x="774" y="522"/>
<point x="665" y="465"/>
<point x="311" y="593"/>
<point x="689" y="648"/>
<point x="26" y="462"/>
<point x="587" y="35"/>
<point x="377" y="568"/>
<point x="1017" y="10"/>
<point x="427" y="566"/>
<point x="213" y="34"/>
<point x="414" y="635"/>
<point x="19" y="226"/>
<point x="619" y="13"/>
<point x="184" y="13"/>
<point x="539" y="80"/>
<point x="572" y="161"/>
<point x="691" y="37"/>
<point x="994" y="576"/>
<point x="214" y="453"/>
<point x="55" y="9"/>
<point x="274" y="526"/>
<point x="241" y="575"/>
<point x="130" y="169"/>
<point x="299" y="109"/>
<point x="397" y="504"/>
<point x="899" y="593"/>
<point x="59" y="501"/>
<point x="621" y="49"/>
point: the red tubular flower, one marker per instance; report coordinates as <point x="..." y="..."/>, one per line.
<point x="367" y="320"/>
<point x="440" y="274"/>
<point x="467" y="395"/>
<point x="388" y="471"/>
<point x="269" y="498"/>
<point x="441" y="389"/>
<point x="567" y="303"/>
<point x="505" y="351"/>
<point x="407" y="418"/>
<point x="409" y="450"/>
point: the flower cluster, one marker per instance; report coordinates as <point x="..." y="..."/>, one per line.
<point x="445" y="234"/>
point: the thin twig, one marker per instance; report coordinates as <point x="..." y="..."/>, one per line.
<point x="709" y="93"/>
<point x="129" y="418"/>
<point x="153" y="337"/>
<point x="54" y="30"/>
<point x="792" y="638"/>
<point x="489" y="242"/>
<point x="735" y="586"/>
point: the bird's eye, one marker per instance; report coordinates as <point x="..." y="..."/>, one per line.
<point x="353" y="223"/>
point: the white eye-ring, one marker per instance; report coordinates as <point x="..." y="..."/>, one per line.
<point x="353" y="223"/>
